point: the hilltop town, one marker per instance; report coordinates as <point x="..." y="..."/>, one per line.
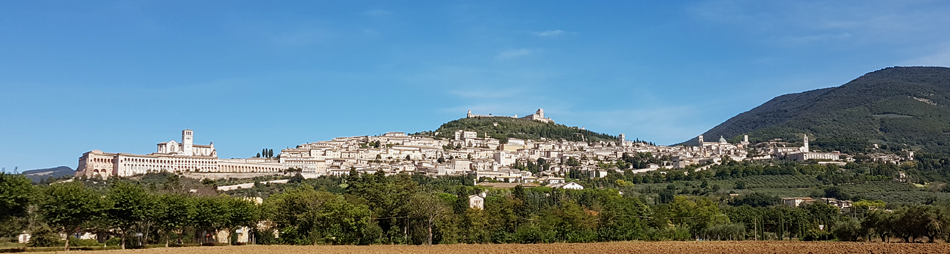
<point x="465" y="152"/>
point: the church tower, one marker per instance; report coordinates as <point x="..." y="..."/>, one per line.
<point x="702" y="148"/>
<point x="187" y="140"/>
<point x="805" y="148"/>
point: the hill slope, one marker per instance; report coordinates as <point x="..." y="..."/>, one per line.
<point x="899" y="107"/>
<point x="505" y="127"/>
<point x="38" y="175"/>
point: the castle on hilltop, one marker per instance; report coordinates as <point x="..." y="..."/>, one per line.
<point x="537" y="116"/>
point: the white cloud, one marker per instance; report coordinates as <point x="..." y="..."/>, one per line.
<point x="513" y="53"/>
<point x="549" y="33"/>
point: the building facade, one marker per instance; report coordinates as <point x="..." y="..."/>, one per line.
<point x="173" y="157"/>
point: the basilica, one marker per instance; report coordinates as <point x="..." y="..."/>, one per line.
<point x="173" y="157"/>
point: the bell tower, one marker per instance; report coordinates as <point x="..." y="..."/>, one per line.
<point x="187" y="140"/>
<point x="805" y="148"/>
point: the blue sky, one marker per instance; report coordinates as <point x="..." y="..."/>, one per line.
<point x="121" y="76"/>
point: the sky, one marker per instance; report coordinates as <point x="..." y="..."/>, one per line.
<point x="122" y="76"/>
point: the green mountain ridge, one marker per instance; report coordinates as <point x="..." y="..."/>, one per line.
<point x="503" y="128"/>
<point x="897" y="108"/>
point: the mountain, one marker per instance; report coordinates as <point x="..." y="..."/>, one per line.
<point x="897" y="108"/>
<point x="503" y="128"/>
<point x="38" y="175"/>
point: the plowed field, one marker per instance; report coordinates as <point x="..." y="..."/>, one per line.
<point x="612" y="247"/>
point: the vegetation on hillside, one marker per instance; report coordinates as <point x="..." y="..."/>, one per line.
<point x="732" y="201"/>
<point x="503" y="128"/>
<point x="901" y="107"/>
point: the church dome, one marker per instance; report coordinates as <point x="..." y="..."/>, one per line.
<point x="722" y="140"/>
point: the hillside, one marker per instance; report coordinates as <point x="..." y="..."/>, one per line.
<point x="897" y="107"/>
<point x="38" y="175"/>
<point x="504" y="128"/>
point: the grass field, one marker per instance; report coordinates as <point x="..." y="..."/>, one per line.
<point x="610" y="247"/>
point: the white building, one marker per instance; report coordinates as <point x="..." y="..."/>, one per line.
<point x="537" y="116"/>
<point x="476" y="202"/>
<point x="568" y="186"/>
<point x="172" y="157"/>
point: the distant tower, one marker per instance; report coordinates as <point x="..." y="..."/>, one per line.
<point x="702" y="148"/>
<point x="805" y="148"/>
<point x="469" y="114"/>
<point x="187" y="140"/>
<point x="622" y="137"/>
<point x="745" y="139"/>
<point x="540" y="113"/>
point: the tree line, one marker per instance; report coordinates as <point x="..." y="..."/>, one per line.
<point x="415" y="209"/>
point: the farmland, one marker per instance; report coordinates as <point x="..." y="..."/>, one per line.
<point x="606" y="247"/>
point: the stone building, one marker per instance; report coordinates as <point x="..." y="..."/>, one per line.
<point x="537" y="116"/>
<point x="171" y="157"/>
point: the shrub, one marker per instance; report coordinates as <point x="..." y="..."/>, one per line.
<point x="44" y="237"/>
<point x="82" y="242"/>
<point x="115" y="241"/>
<point x="848" y="229"/>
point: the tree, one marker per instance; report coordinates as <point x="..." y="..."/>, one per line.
<point x="130" y="206"/>
<point x="173" y="212"/>
<point x="431" y="209"/>
<point x="619" y="217"/>
<point x="697" y="213"/>
<point x="66" y="206"/>
<point x="15" y="193"/>
<point x="740" y="185"/>
<point x="297" y="178"/>
<point x="756" y="199"/>
<point x="848" y="229"/>
<point x="879" y="223"/>
<point x="211" y="214"/>
<point x="475" y="226"/>
<point x="918" y="221"/>
<point x="243" y="213"/>
<point x="308" y="216"/>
